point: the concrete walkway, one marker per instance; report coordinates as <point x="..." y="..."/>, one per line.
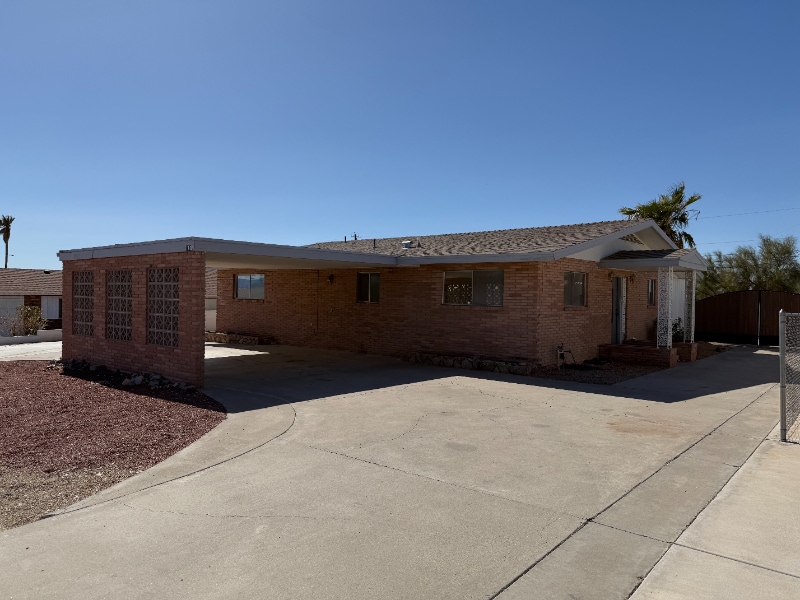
<point x="351" y="476"/>
<point x="31" y="351"/>
<point x="745" y="544"/>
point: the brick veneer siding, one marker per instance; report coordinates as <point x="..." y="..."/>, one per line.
<point x="302" y="308"/>
<point x="641" y="317"/>
<point x="183" y="363"/>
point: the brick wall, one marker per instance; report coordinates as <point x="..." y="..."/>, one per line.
<point x="32" y="301"/>
<point x="183" y="363"/>
<point x="641" y="321"/>
<point x="302" y="308"/>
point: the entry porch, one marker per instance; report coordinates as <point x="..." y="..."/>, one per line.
<point x="674" y="296"/>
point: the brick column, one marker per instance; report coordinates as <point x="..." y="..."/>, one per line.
<point x="182" y="363"/>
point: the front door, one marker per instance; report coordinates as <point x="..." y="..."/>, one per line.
<point x="617" y="310"/>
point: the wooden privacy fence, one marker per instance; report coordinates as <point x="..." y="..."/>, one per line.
<point x="749" y="317"/>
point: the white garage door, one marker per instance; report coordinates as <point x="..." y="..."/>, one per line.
<point x="9" y="304"/>
<point x="8" y="309"/>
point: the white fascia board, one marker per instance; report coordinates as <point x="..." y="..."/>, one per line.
<point x="296" y="252"/>
<point x="226" y="247"/>
<point x="136" y="249"/>
<point x="645" y="264"/>
<point x="403" y="261"/>
<point x="635" y="228"/>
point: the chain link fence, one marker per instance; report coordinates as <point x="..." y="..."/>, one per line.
<point x="790" y="376"/>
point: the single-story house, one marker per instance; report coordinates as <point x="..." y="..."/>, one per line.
<point x="532" y="294"/>
<point x="31" y="287"/>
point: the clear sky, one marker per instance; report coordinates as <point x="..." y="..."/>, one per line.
<point x="294" y="121"/>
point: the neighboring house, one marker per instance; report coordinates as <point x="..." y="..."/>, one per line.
<point x="516" y="295"/>
<point x="32" y="287"/>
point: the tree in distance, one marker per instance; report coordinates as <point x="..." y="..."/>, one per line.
<point x="671" y="212"/>
<point x="772" y="266"/>
<point x="5" y="231"/>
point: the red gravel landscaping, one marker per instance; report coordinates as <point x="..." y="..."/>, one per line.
<point x="68" y="435"/>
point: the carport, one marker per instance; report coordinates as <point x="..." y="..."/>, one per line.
<point x="122" y="302"/>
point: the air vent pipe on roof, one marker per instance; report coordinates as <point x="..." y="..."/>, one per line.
<point x="406" y="243"/>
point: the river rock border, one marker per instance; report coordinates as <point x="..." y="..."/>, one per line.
<point x="477" y="364"/>
<point x="232" y="338"/>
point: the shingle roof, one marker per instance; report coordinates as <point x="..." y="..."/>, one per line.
<point x="504" y="241"/>
<point x="643" y="254"/>
<point x="211" y="282"/>
<point x="30" y="282"/>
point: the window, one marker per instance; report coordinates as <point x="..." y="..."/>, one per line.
<point x="162" y="306"/>
<point x="83" y="303"/>
<point x="51" y="307"/>
<point x="474" y="288"/>
<point x="651" y="292"/>
<point x="119" y="305"/>
<point x="574" y="289"/>
<point x="250" y="287"/>
<point x="369" y="287"/>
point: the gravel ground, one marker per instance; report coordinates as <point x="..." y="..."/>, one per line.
<point x="66" y="436"/>
<point x="604" y="373"/>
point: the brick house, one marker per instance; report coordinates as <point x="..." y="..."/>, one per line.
<point x="31" y="287"/>
<point x="517" y="295"/>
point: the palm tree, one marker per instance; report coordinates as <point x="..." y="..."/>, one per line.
<point x="5" y="231"/>
<point x="671" y="212"/>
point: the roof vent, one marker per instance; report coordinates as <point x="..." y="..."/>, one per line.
<point x="46" y="272"/>
<point x="406" y="243"/>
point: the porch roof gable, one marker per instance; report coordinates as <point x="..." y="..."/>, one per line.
<point x="686" y="259"/>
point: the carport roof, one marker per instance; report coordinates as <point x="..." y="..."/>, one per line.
<point x="228" y="254"/>
<point x="510" y="245"/>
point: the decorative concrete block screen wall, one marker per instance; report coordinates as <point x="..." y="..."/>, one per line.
<point x="320" y="309"/>
<point x="137" y="313"/>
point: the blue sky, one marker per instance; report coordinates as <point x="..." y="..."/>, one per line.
<point x="294" y="122"/>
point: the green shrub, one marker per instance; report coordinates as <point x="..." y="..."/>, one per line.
<point x="31" y="320"/>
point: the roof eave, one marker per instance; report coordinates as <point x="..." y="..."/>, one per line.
<point x="649" y="264"/>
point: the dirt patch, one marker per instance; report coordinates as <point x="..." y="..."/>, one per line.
<point x="596" y="371"/>
<point x="67" y="435"/>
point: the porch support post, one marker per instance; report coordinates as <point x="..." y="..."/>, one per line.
<point x="688" y="321"/>
<point x="664" y="324"/>
<point x="623" y="303"/>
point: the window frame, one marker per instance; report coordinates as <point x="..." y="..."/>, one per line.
<point x="371" y="275"/>
<point x="570" y="303"/>
<point x="652" y="292"/>
<point x="236" y="288"/>
<point x="472" y="287"/>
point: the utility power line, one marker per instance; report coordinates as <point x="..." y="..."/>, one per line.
<point x="758" y="212"/>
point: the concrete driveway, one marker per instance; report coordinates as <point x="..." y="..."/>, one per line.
<point x="353" y="476"/>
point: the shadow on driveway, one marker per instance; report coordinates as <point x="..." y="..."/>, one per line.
<point x="265" y="376"/>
